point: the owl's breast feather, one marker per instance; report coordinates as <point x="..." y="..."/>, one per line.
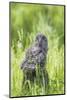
<point x="35" y="50"/>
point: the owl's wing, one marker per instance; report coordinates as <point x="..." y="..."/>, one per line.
<point x="31" y="58"/>
<point x="34" y="56"/>
<point x="33" y="51"/>
<point x="29" y="62"/>
<point x="27" y="65"/>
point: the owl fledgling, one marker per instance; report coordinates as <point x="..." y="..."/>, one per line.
<point x="35" y="55"/>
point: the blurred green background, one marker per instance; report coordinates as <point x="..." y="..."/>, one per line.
<point x="26" y="21"/>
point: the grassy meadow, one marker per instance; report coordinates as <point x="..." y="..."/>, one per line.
<point x="26" y="20"/>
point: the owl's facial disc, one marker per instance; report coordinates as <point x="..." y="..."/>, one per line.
<point x="40" y="39"/>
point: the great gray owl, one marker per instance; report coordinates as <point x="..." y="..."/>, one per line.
<point x="35" y="56"/>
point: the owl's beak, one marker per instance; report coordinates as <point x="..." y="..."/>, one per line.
<point x="40" y="42"/>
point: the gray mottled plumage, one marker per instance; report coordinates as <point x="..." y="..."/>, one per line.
<point x="35" y="55"/>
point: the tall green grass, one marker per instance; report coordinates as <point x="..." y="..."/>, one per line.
<point x="26" y="21"/>
<point x="55" y="69"/>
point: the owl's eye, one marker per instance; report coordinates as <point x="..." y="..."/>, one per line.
<point x="44" y="38"/>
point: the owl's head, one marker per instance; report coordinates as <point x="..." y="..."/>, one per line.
<point x="42" y="41"/>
